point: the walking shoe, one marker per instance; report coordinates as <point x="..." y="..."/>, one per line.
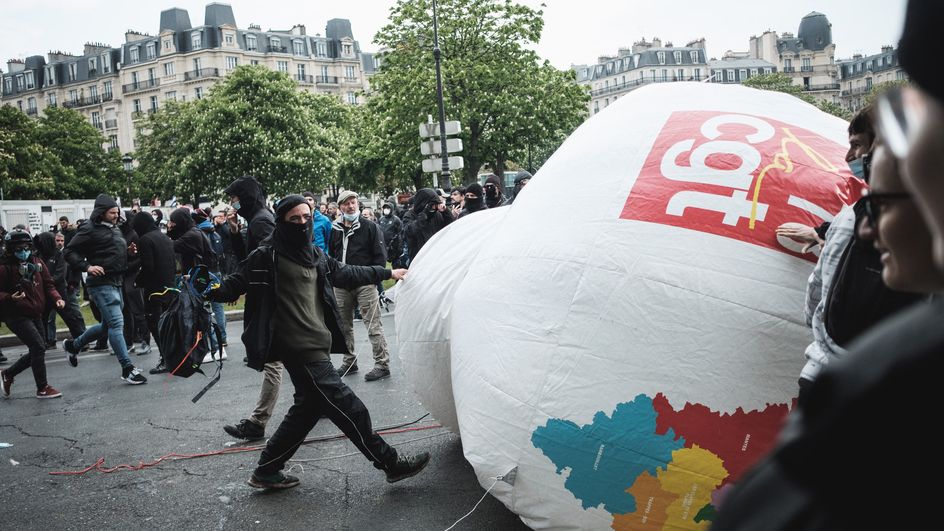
<point x="51" y="345"/>
<point x="273" y="481"/>
<point x="407" y="467"/>
<point x="246" y="429"/>
<point x="132" y="375"/>
<point x="5" y="384"/>
<point x="377" y="374"/>
<point x="143" y="349"/>
<point x="225" y="344"/>
<point x="69" y="345"/>
<point x="48" y="392"/>
<point x="212" y="356"/>
<point x="132" y="349"/>
<point x="159" y="369"/>
<point x="344" y="370"/>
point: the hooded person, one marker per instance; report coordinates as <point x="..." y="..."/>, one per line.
<point x="156" y="274"/>
<point x="494" y="191"/>
<point x="190" y="244"/>
<point x="430" y="216"/>
<point x="291" y="317"/>
<point x="248" y="197"/>
<point x="55" y="263"/>
<point x="521" y="180"/>
<point x="25" y="288"/>
<point x="135" y="320"/>
<point x="204" y="223"/>
<point x="474" y="200"/>
<point x="392" y="227"/>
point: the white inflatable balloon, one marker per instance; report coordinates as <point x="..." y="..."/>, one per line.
<point x="626" y="340"/>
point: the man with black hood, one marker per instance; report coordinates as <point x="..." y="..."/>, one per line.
<point x="430" y="217"/>
<point x="135" y="320"/>
<point x="291" y="316"/>
<point x="190" y="244"/>
<point x="391" y="226"/>
<point x="99" y="250"/>
<point x="55" y="263"/>
<point x="156" y="276"/>
<point x="249" y="199"/>
<point x="521" y="180"/>
<point x="474" y="201"/>
<point x="494" y="191"/>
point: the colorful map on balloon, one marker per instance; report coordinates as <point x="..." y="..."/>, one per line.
<point x="654" y="467"/>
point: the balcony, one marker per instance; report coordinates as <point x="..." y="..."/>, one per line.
<point x="32" y="111"/>
<point x="629" y="85"/>
<point x="806" y="69"/>
<point x="277" y="49"/>
<point x="789" y="69"/>
<point x="816" y="88"/>
<point x="82" y="102"/>
<point x="97" y="125"/>
<point x="147" y="84"/>
<point x="856" y="91"/>
<point x="111" y="124"/>
<point x="304" y="80"/>
<point x="333" y="80"/>
<point x="351" y="80"/>
<point x="201" y="73"/>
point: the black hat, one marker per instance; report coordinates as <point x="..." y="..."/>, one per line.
<point x="16" y="236"/>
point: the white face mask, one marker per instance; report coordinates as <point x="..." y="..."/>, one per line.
<point x="351" y="217"/>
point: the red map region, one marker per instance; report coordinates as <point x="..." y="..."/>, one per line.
<point x="739" y="439"/>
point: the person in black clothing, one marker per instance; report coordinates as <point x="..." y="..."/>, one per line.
<point x="291" y="316"/>
<point x="55" y="263"/>
<point x="391" y="226"/>
<point x="494" y="191"/>
<point x="156" y="275"/>
<point x="430" y="216"/>
<point x="521" y="180"/>
<point x="135" y="320"/>
<point x="249" y="199"/>
<point x="190" y="244"/>
<point x="474" y="200"/>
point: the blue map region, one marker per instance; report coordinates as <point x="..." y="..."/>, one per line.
<point x="606" y="456"/>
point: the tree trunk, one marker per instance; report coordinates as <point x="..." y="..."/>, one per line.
<point x="418" y="178"/>
<point x="472" y="158"/>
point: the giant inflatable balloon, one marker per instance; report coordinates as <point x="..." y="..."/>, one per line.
<point x="623" y="342"/>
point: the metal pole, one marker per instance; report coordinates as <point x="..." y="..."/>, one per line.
<point x="437" y="53"/>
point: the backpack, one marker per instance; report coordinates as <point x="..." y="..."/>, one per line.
<point x="184" y="330"/>
<point x="858" y="298"/>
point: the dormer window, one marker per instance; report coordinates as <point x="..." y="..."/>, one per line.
<point x="106" y="63"/>
<point x="322" y="49"/>
<point x="134" y="51"/>
<point x="678" y="57"/>
<point x="661" y="57"/>
<point x="298" y="47"/>
<point x="229" y="39"/>
<point x="151" y="50"/>
<point x="251" y="42"/>
<point x="93" y="65"/>
<point x="196" y="40"/>
<point x="73" y="67"/>
<point x="50" y="75"/>
<point x="347" y="49"/>
<point x="694" y="55"/>
<point x="167" y="44"/>
<point x="30" y="83"/>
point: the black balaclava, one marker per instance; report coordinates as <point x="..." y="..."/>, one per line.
<point x="45" y="243"/>
<point x="474" y="205"/>
<point x="182" y="222"/>
<point x="143" y="223"/>
<point x="293" y="240"/>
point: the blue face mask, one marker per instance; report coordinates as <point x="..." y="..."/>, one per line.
<point x="235" y="205"/>
<point x="22" y="255"/>
<point x="351" y="217"/>
<point x="858" y="168"/>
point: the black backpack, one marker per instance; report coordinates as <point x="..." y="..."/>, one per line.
<point x="858" y="298"/>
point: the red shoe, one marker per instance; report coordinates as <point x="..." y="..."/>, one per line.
<point x="48" y="392"/>
<point x="5" y="384"/>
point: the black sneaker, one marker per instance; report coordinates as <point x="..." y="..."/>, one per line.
<point x="132" y="375"/>
<point x="273" y="481"/>
<point x="5" y="384"/>
<point x="51" y="345"/>
<point x="159" y="369"/>
<point x="69" y="345"/>
<point x="344" y="370"/>
<point x="407" y="467"/>
<point x="248" y="430"/>
<point x="377" y="374"/>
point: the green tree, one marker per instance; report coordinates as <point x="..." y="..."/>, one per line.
<point x="780" y="82"/>
<point x="87" y="169"/>
<point x="27" y="167"/>
<point x="256" y="122"/>
<point x="882" y="88"/>
<point x="492" y="82"/>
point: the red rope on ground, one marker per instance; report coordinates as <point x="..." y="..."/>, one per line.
<point x="100" y="464"/>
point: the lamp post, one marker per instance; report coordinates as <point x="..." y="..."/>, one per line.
<point x="437" y="53"/>
<point x="126" y="160"/>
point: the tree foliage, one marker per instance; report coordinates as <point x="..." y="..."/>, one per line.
<point x="59" y="156"/>
<point x="780" y="82"/>
<point x="255" y="122"/>
<point x="503" y="95"/>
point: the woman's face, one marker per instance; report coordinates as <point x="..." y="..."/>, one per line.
<point x="899" y="232"/>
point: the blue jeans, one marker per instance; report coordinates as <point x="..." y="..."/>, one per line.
<point x="109" y="301"/>
<point x="219" y="315"/>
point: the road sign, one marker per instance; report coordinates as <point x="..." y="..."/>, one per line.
<point x="432" y="129"/>
<point x="433" y="147"/>
<point x="435" y="165"/>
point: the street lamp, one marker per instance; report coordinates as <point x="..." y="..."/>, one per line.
<point x="126" y="160"/>
<point x="437" y="53"/>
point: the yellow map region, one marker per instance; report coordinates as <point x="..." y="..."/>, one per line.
<point x="673" y="498"/>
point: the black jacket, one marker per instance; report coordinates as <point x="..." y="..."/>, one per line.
<point x="252" y="208"/>
<point x="427" y="223"/>
<point x="53" y="258"/>
<point x="257" y="279"/>
<point x="365" y="243"/>
<point x="156" y="253"/>
<point x="391" y="227"/>
<point x="100" y="244"/>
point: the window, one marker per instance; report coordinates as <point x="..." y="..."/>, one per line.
<point x="250" y="42"/>
<point x="807" y="67"/>
<point x="196" y="40"/>
<point x="680" y="73"/>
<point x="93" y="92"/>
<point x="753" y="72"/>
<point x="30" y="84"/>
<point x="697" y="73"/>
<point x="151" y="75"/>
<point x="20" y="85"/>
<point x="322" y="49"/>
<point x="324" y="72"/>
<point x="347" y="49"/>
<point x="153" y="103"/>
<point x="661" y="57"/>
<point x="743" y="73"/>
<point x="96" y="119"/>
<point x="93" y="65"/>
<point x="231" y="62"/>
<point x="196" y="64"/>
<point x="150" y="50"/>
<point x="606" y="83"/>
<point x="298" y="47"/>
<point x="281" y="66"/>
<point x="113" y="141"/>
<point x="694" y="55"/>
<point x="254" y="62"/>
<point x="229" y="38"/>
<point x="134" y="79"/>
<point x="768" y="70"/>
<point x="134" y="51"/>
<point x="50" y="76"/>
<point x="665" y="74"/>
<point x="731" y="78"/>
<point x="51" y="99"/>
<point x="868" y="65"/>
<point x="19" y="105"/>
<point x="107" y="88"/>
<point x="198" y="93"/>
<point x="606" y="102"/>
<point x="170" y="96"/>
<point x="788" y="65"/>
<point x="106" y="63"/>
<point x="168" y="69"/>
<point x="352" y="98"/>
<point x="167" y="44"/>
<point x="300" y="69"/>
<point x="349" y="72"/>
<point x="596" y="106"/>
<point x="8" y="85"/>
<point x="678" y="57"/>
<point x="275" y="44"/>
<point x="136" y="105"/>
<point x="31" y="104"/>
<point x="73" y="67"/>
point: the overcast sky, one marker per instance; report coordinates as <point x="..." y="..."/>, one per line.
<point x="575" y="31"/>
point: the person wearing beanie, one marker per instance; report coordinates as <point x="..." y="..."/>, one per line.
<point x="494" y="191"/>
<point x="99" y="249"/>
<point x="291" y="317"/>
<point x="521" y="180"/>
<point x="429" y="217"/>
<point x="474" y="200"/>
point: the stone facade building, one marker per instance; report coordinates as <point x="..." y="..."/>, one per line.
<point x="861" y="74"/>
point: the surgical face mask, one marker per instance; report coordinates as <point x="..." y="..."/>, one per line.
<point x="858" y="168"/>
<point x="235" y="205"/>
<point x="22" y="255"/>
<point x="351" y="217"/>
<point x="386" y="211"/>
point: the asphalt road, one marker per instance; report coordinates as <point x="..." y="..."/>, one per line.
<point x="100" y="416"/>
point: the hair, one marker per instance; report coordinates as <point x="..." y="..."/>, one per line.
<point x="863" y="123"/>
<point x="333" y="203"/>
<point x="308" y="194"/>
<point x="63" y="218"/>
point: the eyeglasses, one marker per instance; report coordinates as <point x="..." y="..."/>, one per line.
<point x="489" y="186"/>
<point x="874" y="203"/>
<point x="900" y="111"/>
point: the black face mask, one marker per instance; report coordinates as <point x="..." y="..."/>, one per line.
<point x="293" y="241"/>
<point x="491" y="192"/>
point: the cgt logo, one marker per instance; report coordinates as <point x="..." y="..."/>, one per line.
<point x="741" y="176"/>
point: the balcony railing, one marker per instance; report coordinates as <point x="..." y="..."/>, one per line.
<point x="201" y="73"/>
<point x="350" y="80"/>
<point x="32" y="111"/>
<point x="305" y="80"/>
<point x="806" y="69"/>
<point x="277" y="49"/>
<point x="327" y="79"/>
<point x="83" y="102"/>
<point x="97" y="125"/>
<point x="141" y="85"/>
<point x="856" y="91"/>
<point x="629" y="85"/>
<point x="827" y="86"/>
<point x="111" y="124"/>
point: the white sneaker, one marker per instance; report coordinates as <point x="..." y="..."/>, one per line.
<point x="210" y="356"/>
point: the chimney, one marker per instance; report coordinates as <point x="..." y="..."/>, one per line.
<point x="623" y="52"/>
<point x="656" y="42"/>
<point x="15" y="65"/>
<point x="886" y="48"/>
<point x="298" y="29"/>
<point x="134" y="36"/>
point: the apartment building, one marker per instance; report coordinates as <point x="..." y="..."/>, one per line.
<point x="861" y="74"/>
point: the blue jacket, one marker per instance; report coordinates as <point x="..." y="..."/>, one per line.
<point x="321" y="231"/>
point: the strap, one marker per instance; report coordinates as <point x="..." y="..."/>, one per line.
<point x="219" y="363"/>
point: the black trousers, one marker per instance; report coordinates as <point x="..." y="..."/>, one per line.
<point x="319" y="390"/>
<point x="70" y="316"/>
<point x="136" y="329"/>
<point x="154" y="306"/>
<point x="32" y="332"/>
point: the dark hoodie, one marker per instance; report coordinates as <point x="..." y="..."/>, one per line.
<point x="156" y="253"/>
<point x="190" y="242"/>
<point x="45" y="244"/>
<point x="100" y="244"/>
<point x="497" y="199"/>
<point x="252" y="208"/>
<point x="428" y="221"/>
<point x="474" y="205"/>
<point x="391" y="226"/>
